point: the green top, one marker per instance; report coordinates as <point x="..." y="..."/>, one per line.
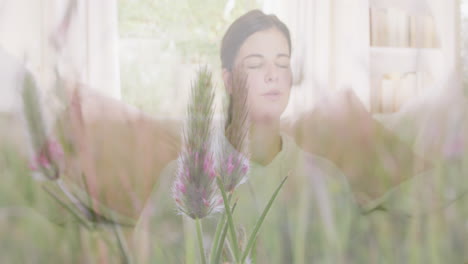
<point x="309" y="221"/>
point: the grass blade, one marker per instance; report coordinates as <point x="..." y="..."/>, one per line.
<point x="200" y="241"/>
<point x="220" y="244"/>
<point x="219" y="228"/>
<point x="230" y="221"/>
<point x="253" y="236"/>
<point x="122" y="245"/>
<point x="68" y="208"/>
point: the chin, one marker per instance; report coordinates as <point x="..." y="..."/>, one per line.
<point x="268" y="115"/>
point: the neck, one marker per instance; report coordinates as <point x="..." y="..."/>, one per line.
<point x="265" y="141"/>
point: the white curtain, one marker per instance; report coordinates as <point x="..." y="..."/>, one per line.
<point x="88" y="43"/>
<point x="464" y="14"/>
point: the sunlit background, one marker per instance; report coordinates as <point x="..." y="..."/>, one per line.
<point x="464" y="39"/>
<point x="163" y="43"/>
<point x="389" y="53"/>
<point x="145" y="52"/>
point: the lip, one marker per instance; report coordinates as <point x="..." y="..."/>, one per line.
<point x="272" y="93"/>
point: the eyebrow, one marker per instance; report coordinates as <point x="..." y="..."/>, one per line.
<point x="256" y="55"/>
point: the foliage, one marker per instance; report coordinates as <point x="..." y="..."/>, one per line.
<point x="161" y="44"/>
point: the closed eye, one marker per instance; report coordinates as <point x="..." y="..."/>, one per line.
<point x="283" y="62"/>
<point x="254" y="62"/>
<point x="254" y="66"/>
<point x="257" y="61"/>
<point x="284" y="66"/>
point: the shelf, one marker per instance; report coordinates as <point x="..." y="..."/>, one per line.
<point x="412" y="44"/>
<point x="398" y="28"/>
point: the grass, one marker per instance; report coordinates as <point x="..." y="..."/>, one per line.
<point x="35" y="229"/>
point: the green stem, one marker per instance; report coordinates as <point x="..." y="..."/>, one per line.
<point x="80" y="218"/>
<point x="253" y="236"/>
<point x="232" y="229"/>
<point x="124" y="251"/>
<point x="229" y="248"/>
<point x="215" y="246"/>
<point x="219" y="228"/>
<point x="190" y="244"/>
<point x="220" y="244"/>
<point x="200" y="240"/>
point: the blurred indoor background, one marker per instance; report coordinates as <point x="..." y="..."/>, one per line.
<point x="145" y="52"/>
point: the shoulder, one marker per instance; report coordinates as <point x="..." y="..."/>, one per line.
<point x="308" y="161"/>
<point x="315" y="169"/>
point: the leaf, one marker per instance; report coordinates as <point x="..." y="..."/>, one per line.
<point x="230" y="221"/>
<point x="68" y="208"/>
<point x="219" y="243"/>
<point x="259" y="223"/>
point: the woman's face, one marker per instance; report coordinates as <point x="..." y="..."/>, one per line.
<point x="264" y="57"/>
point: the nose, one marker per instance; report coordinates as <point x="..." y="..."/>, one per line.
<point x="271" y="74"/>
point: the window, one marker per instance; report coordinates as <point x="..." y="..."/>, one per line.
<point x="162" y="43"/>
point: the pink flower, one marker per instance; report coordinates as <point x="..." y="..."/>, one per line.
<point x="55" y="150"/>
<point x="180" y="187"/>
<point x="194" y="189"/>
<point x="186" y="174"/>
<point x="234" y="169"/>
<point x="43" y="161"/>
<point x="208" y="167"/>
<point x="206" y="202"/>
<point x="245" y="169"/>
<point x="196" y="169"/>
<point x="52" y="149"/>
<point x="230" y="165"/>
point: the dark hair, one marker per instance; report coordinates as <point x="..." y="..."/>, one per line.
<point x="242" y="28"/>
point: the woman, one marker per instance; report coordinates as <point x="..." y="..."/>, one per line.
<point x="310" y="219"/>
<point x="315" y="218"/>
<point x="259" y="45"/>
